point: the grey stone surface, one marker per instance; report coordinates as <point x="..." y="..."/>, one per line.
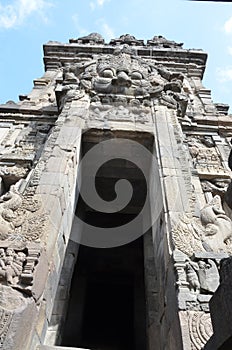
<point x="150" y="92"/>
<point x="220" y="306"/>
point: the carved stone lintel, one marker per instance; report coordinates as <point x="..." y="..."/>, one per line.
<point x="114" y="112"/>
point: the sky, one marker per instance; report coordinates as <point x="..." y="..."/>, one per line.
<point x="25" y="25"/>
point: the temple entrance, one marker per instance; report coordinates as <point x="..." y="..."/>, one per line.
<point x="107" y="300"/>
<point x="106" y="308"/>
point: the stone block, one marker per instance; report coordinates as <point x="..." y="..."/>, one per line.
<point x="36" y="342"/>
<point x="57" y="165"/>
<point x="173" y="194"/>
<point x="40" y="276"/>
<point x="62" y="292"/>
<point x="46" y="347"/>
<point x="69" y="137"/>
<point x="50" y="340"/>
<point x="19" y="314"/>
<point x="41" y="324"/>
<point x="59" y="307"/>
<point x="52" y="178"/>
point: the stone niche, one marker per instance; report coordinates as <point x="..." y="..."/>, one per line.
<point x="157" y="151"/>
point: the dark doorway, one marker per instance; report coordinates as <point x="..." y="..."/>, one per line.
<point x="107" y="302"/>
<point x="227" y="345"/>
<point x="107" y="309"/>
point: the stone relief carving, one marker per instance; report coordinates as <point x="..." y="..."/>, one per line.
<point x="217" y="225"/>
<point x="21" y="217"/>
<point x="17" y="265"/>
<point x="199" y="273"/>
<point x="215" y="186"/>
<point x="191" y="269"/>
<point x="5" y="320"/>
<point x="123" y="74"/>
<point x="187" y="235"/>
<point x="21" y="144"/>
<point x="211" y="232"/>
<point x="120" y="111"/>
<point x="17" y="171"/>
<point x="206" y="159"/>
<point x="11" y="265"/>
<point x="200" y="328"/>
<point x="197" y="278"/>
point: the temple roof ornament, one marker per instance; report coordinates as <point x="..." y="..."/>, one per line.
<point x="127" y="39"/>
<point x="161" y="42"/>
<point x="92" y="38"/>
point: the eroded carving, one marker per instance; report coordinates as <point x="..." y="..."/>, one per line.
<point x="22" y="143"/>
<point x="217" y="225"/>
<point x="21" y="217"/>
<point x="200" y="328"/>
<point x="17" y="264"/>
<point x="127" y="39"/>
<point x="92" y="39"/>
<point x="206" y="159"/>
<point x="208" y="275"/>
<point x="160" y="42"/>
<point x="188" y="236"/>
<point x="5" y="320"/>
<point x="191" y="269"/>
<point x="12" y="303"/>
<point x="120" y="111"/>
<point x="123" y="74"/>
<point x="199" y="273"/>
<point x="211" y="232"/>
<point x="215" y="186"/>
<point x="197" y="278"/>
<point x="16" y="171"/>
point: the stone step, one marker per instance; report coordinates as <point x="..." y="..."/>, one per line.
<point x="48" y="347"/>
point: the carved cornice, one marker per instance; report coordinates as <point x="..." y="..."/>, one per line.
<point x="188" y="61"/>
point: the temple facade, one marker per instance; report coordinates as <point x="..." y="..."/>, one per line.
<point x="115" y="202"/>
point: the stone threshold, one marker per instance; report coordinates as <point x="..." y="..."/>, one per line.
<point x="48" y="347"/>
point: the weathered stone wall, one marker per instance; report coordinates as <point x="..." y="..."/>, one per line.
<point x="122" y="87"/>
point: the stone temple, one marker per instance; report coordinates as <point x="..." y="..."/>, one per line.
<point x="116" y="202"/>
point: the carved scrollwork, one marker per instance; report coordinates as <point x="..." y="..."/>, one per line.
<point x="200" y="328"/>
<point x="186" y="235"/>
